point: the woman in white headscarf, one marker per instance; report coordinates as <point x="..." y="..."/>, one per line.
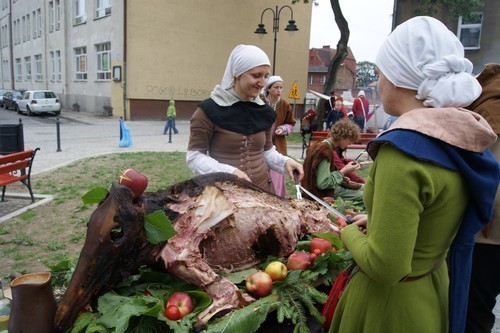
<point x="430" y="189"/>
<point x="282" y="127"/>
<point x="232" y="130"/>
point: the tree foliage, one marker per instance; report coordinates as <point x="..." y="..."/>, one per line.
<point x="451" y="8"/>
<point x="365" y="73"/>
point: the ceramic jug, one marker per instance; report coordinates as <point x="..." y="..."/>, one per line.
<point x="33" y="304"/>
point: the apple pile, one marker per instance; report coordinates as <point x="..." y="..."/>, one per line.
<point x="260" y="283"/>
<point x="179" y="305"/>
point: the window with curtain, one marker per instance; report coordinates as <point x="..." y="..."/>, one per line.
<point x="81" y="63"/>
<point x="103" y="61"/>
<point x="469" y="31"/>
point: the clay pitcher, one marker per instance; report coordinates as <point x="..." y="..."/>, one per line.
<point x="33" y="304"/>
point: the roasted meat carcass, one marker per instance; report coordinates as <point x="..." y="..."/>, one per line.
<point x="223" y="224"/>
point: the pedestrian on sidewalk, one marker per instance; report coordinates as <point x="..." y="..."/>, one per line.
<point x="170" y="123"/>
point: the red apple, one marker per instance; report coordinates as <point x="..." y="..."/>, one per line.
<point x="259" y="284"/>
<point x="299" y="261"/>
<point x="320" y="244"/>
<point x="134" y="180"/>
<point x="172" y="312"/>
<point x="182" y="301"/>
<point x="277" y="270"/>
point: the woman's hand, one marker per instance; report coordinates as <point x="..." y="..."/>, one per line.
<point x="291" y="165"/>
<point x="360" y="220"/>
<point x="279" y="131"/>
<point x="241" y="174"/>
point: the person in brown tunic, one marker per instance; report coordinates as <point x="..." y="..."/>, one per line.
<point x="282" y="127"/>
<point x="232" y="130"/>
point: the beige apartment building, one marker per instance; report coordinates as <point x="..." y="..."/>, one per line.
<point x="133" y="56"/>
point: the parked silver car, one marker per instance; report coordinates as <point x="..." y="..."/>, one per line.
<point x="38" y="101"/>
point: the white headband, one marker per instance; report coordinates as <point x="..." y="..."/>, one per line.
<point x="423" y="55"/>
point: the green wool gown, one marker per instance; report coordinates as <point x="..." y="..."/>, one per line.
<point x="414" y="210"/>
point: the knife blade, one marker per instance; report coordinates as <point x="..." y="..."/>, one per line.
<point x="348" y="220"/>
<point x="297" y="185"/>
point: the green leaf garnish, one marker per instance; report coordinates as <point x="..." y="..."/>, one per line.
<point x="95" y="195"/>
<point x="158" y="227"/>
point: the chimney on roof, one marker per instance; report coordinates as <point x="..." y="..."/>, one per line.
<point x="326" y="46"/>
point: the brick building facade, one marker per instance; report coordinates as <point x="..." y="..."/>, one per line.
<point x="319" y="59"/>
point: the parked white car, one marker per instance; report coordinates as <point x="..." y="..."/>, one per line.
<point x="38" y="101"/>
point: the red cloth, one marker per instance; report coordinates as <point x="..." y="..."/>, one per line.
<point x="340" y="162"/>
<point x="357" y="108"/>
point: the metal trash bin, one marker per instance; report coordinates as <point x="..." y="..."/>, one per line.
<point x="11" y="138"/>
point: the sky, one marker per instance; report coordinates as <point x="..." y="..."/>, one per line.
<point x="369" y="22"/>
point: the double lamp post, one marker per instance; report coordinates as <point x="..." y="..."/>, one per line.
<point x="276" y="24"/>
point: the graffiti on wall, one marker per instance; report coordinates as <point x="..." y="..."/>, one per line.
<point x="177" y="92"/>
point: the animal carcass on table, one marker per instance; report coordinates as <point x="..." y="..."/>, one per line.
<point x="223" y="224"/>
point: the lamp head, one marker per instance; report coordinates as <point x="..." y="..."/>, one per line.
<point x="260" y="29"/>
<point x="291" y="26"/>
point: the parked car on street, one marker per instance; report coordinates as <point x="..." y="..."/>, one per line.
<point x="2" y="92"/>
<point x="10" y="99"/>
<point x="38" y="101"/>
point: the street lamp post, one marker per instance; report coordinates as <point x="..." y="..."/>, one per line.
<point x="276" y="24"/>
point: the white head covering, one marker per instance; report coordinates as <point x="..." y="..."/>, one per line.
<point x="422" y="54"/>
<point x="242" y="59"/>
<point x="361" y="93"/>
<point x="270" y="81"/>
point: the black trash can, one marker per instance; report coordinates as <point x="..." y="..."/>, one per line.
<point x="11" y="138"/>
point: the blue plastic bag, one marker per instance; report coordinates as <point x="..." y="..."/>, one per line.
<point x="125" y="139"/>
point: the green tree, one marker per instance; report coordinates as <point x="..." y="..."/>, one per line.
<point x="450" y="8"/>
<point x="365" y="73"/>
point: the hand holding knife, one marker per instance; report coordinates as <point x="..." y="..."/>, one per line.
<point x="332" y="210"/>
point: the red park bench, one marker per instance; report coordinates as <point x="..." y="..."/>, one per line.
<point x="361" y="144"/>
<point x="16" y="167"/>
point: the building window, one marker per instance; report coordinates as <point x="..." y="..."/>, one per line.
<point x="102" y="8"/>
<point x="27" y="68"/>
<point x="58" y="14"/>
<point x="5" y="67"/>
<point x="39" y="14"/>
<point x="38" y="67"/>
<point x="52" y="66"/>
<point x="19" y="72"/>
<point x="34" y="24"/>
<point x="58" y="65"/>
<point x="51" y="16"/>
<point x="80" y="16"/>
<point x="24" y="28"/>
<point x="310" y="79"/>
<point x="322" y="80"/>
<point x="28" y="27"/>
<point x="81" y="63"/>
<point x="19" y="31"/>
<point x="469" y="31"/>
<point x="103" y="61"/>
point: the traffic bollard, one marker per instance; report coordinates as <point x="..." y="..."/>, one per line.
<point x="58" y="129"/>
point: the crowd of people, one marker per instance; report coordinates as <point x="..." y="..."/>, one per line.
<point x="430" y="191"/>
